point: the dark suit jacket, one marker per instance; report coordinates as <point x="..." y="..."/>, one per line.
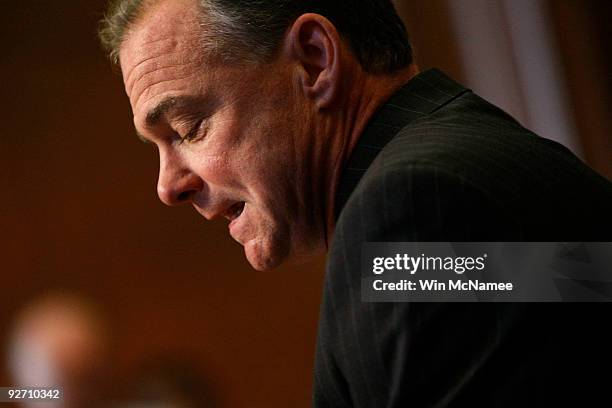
<point x="438" y="163"/>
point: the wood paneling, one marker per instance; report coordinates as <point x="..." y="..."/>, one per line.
<point x="584" y="31"/>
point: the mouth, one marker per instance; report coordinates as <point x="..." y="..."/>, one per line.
<point x="235" y="211"/>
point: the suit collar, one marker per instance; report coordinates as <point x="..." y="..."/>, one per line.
<point x="422" y="95"/>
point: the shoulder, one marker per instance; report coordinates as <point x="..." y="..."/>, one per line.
<point x="470" y="172"/>
<point x="478" y="141"/>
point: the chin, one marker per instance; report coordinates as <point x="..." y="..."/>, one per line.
<point x="264" y="255"/>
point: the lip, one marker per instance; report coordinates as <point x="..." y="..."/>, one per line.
<point x="235" y="223"/>
<point x="234" y="212"/>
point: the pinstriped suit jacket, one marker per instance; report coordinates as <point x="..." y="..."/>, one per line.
<point x="438" y="163"/>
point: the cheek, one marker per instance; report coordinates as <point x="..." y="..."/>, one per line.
<point x="214" y="169"/>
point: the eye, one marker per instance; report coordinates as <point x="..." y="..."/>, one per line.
<point x="194" y="133"/>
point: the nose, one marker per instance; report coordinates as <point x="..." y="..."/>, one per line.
<point x="177" y="184"/>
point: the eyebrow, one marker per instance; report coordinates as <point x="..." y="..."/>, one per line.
<point x="162" y="108"/>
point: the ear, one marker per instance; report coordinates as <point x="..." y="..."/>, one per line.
<point x="315" y="45"/>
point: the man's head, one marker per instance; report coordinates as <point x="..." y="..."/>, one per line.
<point x="252" y="105"/>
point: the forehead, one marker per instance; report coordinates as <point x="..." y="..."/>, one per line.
<point x="161" y="48"/>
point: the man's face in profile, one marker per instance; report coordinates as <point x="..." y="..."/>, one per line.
<point x="225" y="133"/>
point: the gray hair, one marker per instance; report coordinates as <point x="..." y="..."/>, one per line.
<point x="252" y="30"/>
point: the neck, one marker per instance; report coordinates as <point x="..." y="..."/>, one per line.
<point x="366" y="94"/>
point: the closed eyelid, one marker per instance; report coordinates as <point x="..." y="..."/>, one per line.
<point x="187" y="122"/>
<point x="195" y="130"/>
<point x="182" y="115"/>
<point x="177" y="109"/>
